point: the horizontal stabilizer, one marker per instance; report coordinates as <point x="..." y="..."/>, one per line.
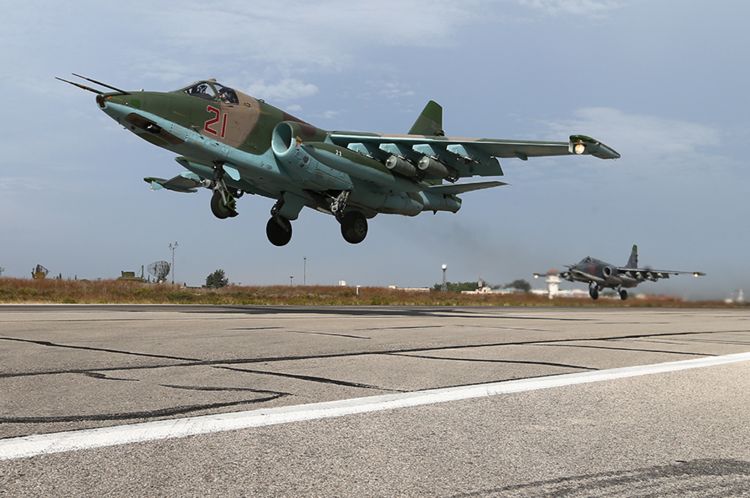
<point x="463" y="187"/>
<point x="186" y="182"/>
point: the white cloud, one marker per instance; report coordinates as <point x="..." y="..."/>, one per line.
<point x="286" y="89"/>
<point x="395" y="90"/>
<point x="591" y="8"/>
<point x="310" y="34"/>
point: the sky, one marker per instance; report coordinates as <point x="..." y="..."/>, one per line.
<point x="663" y="83"/>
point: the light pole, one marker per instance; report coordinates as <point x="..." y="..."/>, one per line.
<point x="304" y="270"/>
<point x="291" y="280"/>
<point x="172" y="247"/>
<point x="445" y="284"/>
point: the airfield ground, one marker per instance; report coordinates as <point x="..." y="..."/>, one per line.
<point x="537" y="401"/>
<point x="130" y="292"/>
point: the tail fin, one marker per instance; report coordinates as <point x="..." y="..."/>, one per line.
<point x="430" y="121"/>
<point x="633" y="261"/>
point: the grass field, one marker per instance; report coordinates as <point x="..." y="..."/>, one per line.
<point x="125" y="292"/>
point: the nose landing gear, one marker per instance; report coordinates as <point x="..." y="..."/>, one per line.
<point x="223" y="204"/>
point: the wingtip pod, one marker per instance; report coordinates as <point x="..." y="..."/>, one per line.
<point x="582" y="144"/>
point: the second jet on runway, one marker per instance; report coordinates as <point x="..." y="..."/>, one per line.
<point x="601" y="275"/>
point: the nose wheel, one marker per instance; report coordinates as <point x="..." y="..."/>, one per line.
<point x="223" y="205"/>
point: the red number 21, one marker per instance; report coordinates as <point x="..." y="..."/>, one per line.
<point x="207" y="126"/>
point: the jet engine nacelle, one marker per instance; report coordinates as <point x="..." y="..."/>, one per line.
<point x="285" y="144"/>
<point x="608" y="271"/>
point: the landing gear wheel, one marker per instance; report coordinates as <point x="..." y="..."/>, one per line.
<point x="594" y="292"/>
<point x="354" y="227"/>
<point x="220" y="209"/>
<point x="623" y="294"/>
<point x="279" y="231"/>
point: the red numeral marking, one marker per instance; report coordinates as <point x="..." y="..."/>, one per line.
<point x="211" y="121"/>
<point x="207" y="126"/>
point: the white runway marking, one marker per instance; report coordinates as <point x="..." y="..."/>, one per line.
<point x="29" y="446"/>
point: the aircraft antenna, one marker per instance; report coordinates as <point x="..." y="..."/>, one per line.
<point x="100" y="84"/>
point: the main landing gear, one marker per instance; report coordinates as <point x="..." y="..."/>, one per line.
<point x="353" y="227"/>
<point x="279" y="231"/>
<point x="279" y="228"/>
<point x="353" y="223"/>
<point x="623" y="294"/>
<point x="594" y="291"/>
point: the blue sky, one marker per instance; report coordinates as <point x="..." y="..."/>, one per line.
<point x="663" y="83"/>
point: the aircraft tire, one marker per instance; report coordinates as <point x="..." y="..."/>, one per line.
<point x="219" y="209"/>
<point x="354" y="227"/>
<point x="279" y="231"/>
<point x="594" y="292"/>
<point x="623" y="294"/>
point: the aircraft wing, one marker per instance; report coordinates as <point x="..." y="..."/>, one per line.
<point x="652" y="274"/>
<point x="471" y="156"/>
<point x="186" y="182"/>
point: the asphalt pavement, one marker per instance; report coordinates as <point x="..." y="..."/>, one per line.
<point x="678" y="431"/>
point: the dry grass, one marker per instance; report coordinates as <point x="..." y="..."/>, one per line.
<point x="114" y="291"/>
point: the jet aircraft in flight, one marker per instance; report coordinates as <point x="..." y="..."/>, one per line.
<point x="600" y="274"/>
<point x="234" y="144"/>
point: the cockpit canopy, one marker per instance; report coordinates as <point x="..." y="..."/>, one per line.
<point x="211" y="90"/>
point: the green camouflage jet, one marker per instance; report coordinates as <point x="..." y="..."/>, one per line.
<point x="600" y="274"/>
<point x="234" y="144"/>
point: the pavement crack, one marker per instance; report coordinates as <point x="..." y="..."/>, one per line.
<point x="270" y="359"/>
<point x="625" y="349"/>
<point x="101" y="376"/>
<point x="405" y="327"/>
<point x="352" y="336"/>
<point x="307" y="378"/>
<point x="482" y="360"/>
<point x="101" y="350"/>
<point x="256" y="328"/>
<point x="224" y="389"/>
<point x="146" y="414"/>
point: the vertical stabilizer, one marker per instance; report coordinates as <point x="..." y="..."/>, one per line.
<point x="633" y="261"/>
<point x="430" y="122"/>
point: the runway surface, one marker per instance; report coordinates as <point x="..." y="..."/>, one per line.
<point x="450" y="407"/>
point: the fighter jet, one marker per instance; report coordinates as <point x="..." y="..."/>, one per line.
<point x="601" y="275"/>
<point x="235" y="144"/>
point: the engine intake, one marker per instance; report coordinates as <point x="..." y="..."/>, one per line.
<point x="287" y="133"/>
